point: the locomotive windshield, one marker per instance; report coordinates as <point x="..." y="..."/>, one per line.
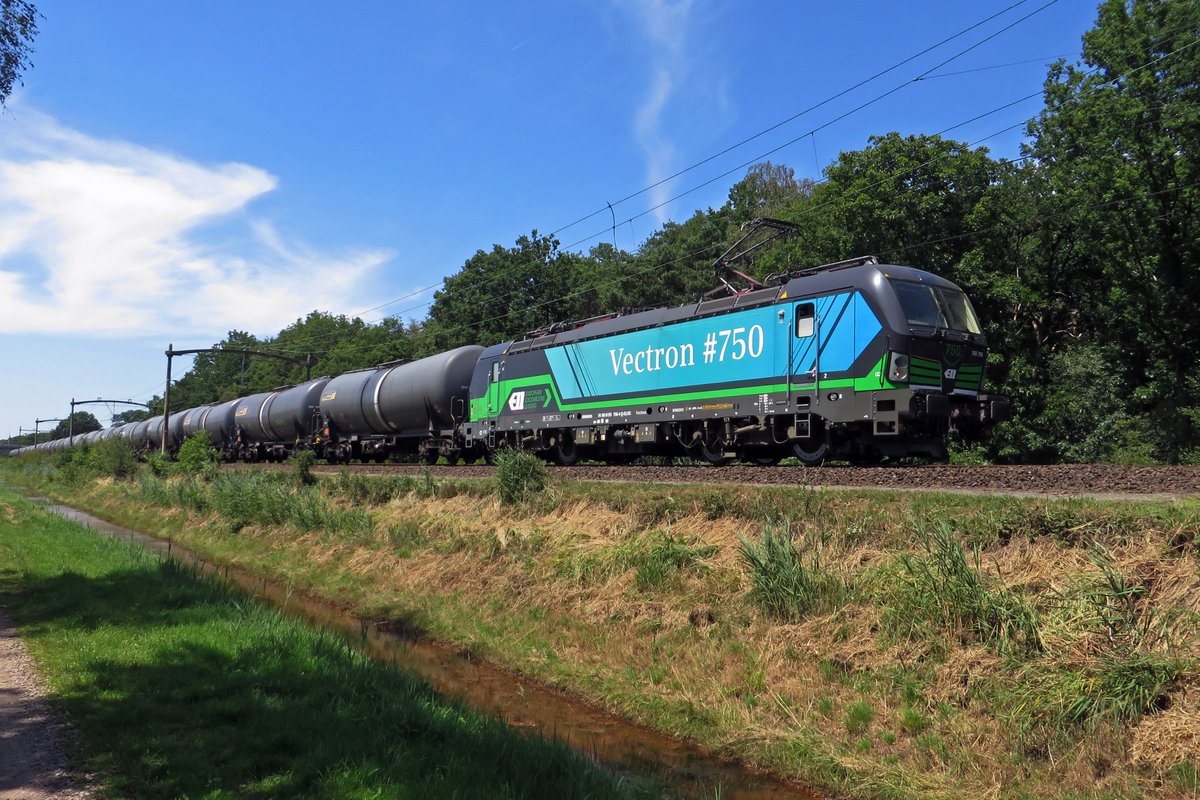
<point x="936" y="306"/>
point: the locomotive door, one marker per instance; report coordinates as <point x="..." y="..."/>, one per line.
<point x="804" y="352"/>
<point x="493" y="390"/>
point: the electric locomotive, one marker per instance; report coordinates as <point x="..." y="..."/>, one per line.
<point x="856" y="360"/>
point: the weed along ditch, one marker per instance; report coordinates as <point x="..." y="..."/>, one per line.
<point x="684" y="770"/>
<point x="858" y="643"/>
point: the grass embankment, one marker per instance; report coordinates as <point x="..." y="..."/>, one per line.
<point x="876" y="644"/>
<point x="180" y="687"/>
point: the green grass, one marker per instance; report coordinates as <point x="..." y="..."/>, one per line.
<point x="182" y="687"/>
<point x="937" y="590"/>
<point x="519" y="475"/>
<point x="789" y="579"/>
<point x="650" y="615"/>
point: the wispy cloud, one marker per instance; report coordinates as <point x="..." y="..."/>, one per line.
<point x="665" y="25"/>
<point x="111" y="238"/>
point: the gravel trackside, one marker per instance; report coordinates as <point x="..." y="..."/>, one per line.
<point x="33" y="762"/>
<point x="1067" y="480"/>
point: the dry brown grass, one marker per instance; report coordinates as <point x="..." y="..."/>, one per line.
<point x="1169" y="737"/>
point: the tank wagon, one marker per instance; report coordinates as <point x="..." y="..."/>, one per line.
<point x="410" y="408"/>
<point x="857" y="360"/>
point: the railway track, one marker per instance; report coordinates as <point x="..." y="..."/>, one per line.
<point x="1097" y="480"/>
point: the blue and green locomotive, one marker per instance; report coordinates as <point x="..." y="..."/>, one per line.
<point x="857" y="360"/>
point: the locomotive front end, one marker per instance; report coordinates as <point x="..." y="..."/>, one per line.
<point x="938" y="351"/>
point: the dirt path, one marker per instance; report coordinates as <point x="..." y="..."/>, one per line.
<point x="33" y="764"/>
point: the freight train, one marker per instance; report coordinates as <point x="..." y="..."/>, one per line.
<point x="855" y="361"/>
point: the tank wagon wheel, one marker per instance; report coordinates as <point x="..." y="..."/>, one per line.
<point x="430" y="457"/>
<point x="452" y="459"/>
<point x="564" y="452"/>
<point x="763" y="459"/>
<point x="810" y="453"/>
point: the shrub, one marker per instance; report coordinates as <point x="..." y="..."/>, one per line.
<point x="518" y="475"/>
<point x="158" y="464"/>
<point x="197" y="456"/>
<point x="302" y="463"/>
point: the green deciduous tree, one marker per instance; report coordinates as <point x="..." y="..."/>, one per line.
<point x="506" y="292"/>
<point x="84" y="422"/>
<point x="1118" y="144"/>
<point x="18" y="28"/>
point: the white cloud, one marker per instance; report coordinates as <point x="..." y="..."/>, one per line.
<point x="110" y="238"/>
<point x="665" y="25"/>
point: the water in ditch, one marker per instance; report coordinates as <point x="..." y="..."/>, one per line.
<point x="685" y="770"/>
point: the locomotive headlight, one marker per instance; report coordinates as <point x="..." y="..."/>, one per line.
<point x="898" y="369"/>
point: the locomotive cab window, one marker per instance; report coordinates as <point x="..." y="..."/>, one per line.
<point x="804" y="320"/>
<point x="936" y="307"/>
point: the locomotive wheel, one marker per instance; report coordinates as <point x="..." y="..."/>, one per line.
<point x="452" y="460"/>
<point x="430" y="457"/>
<point x="564" y="453"/>
<point x="810" y="453"/>
<point x="714" y="453"/>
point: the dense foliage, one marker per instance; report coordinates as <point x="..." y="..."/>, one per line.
<point x="1082" y="256"/>
<point x="18" y="28"/>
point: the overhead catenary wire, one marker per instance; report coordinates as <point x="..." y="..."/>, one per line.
<point x="751" y="138"/>
<point x="856" y="193"/>
<point x="475" y="289"/>
<point x="795" y="116"/>
<point x="1043" y="60"/>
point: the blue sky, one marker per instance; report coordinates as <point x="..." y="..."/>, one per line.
<point x="171" y="171"/>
